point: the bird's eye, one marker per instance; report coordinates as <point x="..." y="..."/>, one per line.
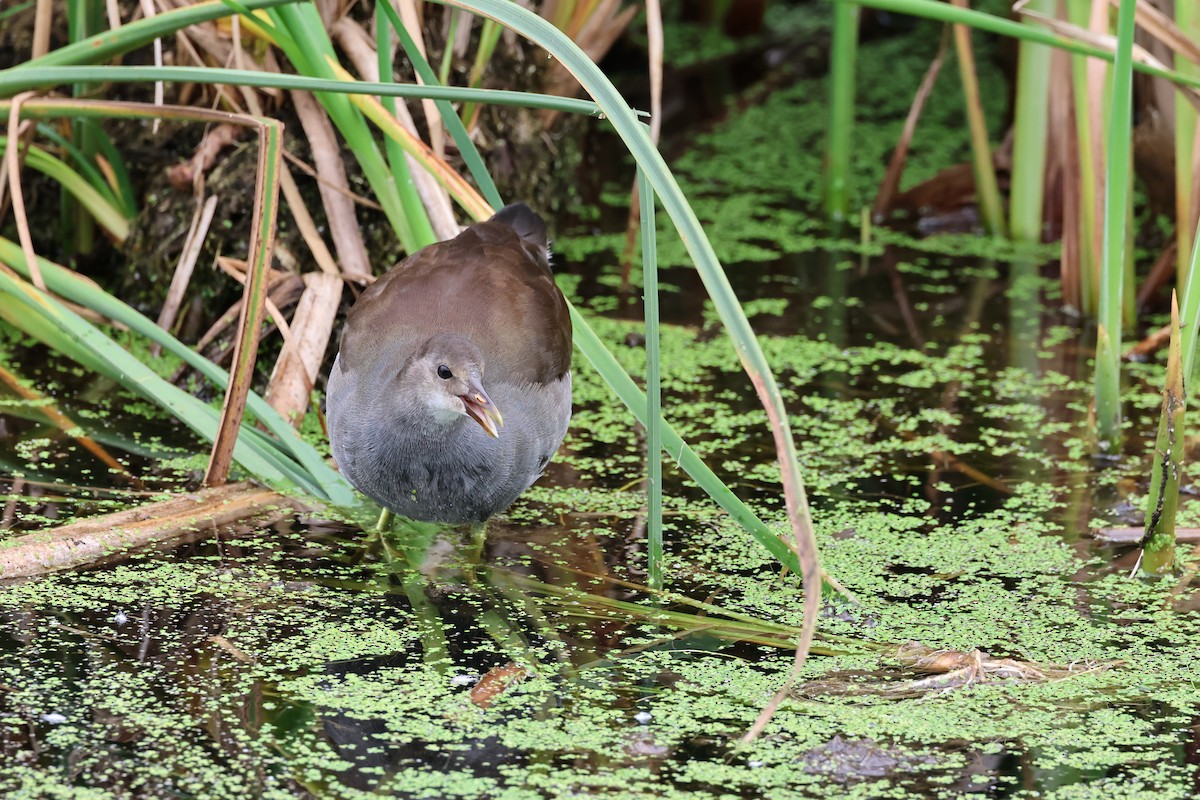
<point x="444" y="373"/>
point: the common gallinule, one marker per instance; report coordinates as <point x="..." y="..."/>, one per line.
<point x="452" y="387"/>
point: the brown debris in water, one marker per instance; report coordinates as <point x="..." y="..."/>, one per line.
<point x="946" y="670"/>
<point x="496" y="682"/>
<point x="1130" y="535"/>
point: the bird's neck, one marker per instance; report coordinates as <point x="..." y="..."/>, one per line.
<point x="423" y="413"/>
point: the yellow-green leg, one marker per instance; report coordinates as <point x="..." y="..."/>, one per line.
<point x="473" y="553"/>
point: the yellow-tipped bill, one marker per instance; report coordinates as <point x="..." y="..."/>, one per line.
<point x="481" y="409"/>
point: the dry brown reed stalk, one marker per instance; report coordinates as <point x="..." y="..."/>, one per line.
<point x="890" y="184"/>
<point x="360" y="49"/>
<point x="433" y="195"/>
<point x="12" y="169"/>
<point x="1149" y="344"/>
<point x="148" y="11"/>
<point x="433" y="118"/>
<point x="987" y="189"/>
<point x="802" y="542"/>
<point x="1064" y="148"/>
<point x="312" y="322"/>
<point x="334" y="187"/>
<point x="296" y="370"/>
<point x="192" y="244"/>
<point x="306" y="225"/>
<point x="310" y="171"/>
<point x="236" y="269"/>
<point x="204" y="46"/>
<point x="290" y="386"/>
<point x="1097" y="73"/>
<point x="462" y="34"/>
<point x="445" y="175"/>
<point x="1078" y="253"/>
<point x="43" y="18"/>
<point x="1097" y="35"/>
<point x="1190" y="219"/>
<point x="1160" y="273"/>
<point x="655" y="44"/>
<point x="295" y="202"/>
<point x="186" y="174"/>
<point x="1156" y="23"/>
<point x="16" y="490"/>
<point x="1058" y="114"/>
<point x="255" y="297"/>
<point x="286" y="289"/>
<point x="212" y="42"/>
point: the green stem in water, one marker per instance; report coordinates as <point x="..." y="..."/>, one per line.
<point x="1187" y="17"/>
<point x="1029" y="136"/>
<point x="841" y="110"/>
<point x="1158" y="543"/>
<point x="1112" y="273"/>
<point x="986" y="187"/>
<point x="654" y="522"/>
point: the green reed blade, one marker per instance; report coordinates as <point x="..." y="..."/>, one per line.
<point x="654" y="487"/>
<point x="19" y="79"/>
<point x="1116" y="204"/>
<point x="841" y="110"/>
<point x="99" y="206"/>
<point x="1030" y="121"/>
<point x="1158" y="542"/>
<point x="944" y="12"/>
<point x="458" y="132"/>
<point x="31" y="310"/>
<point x="80" y="290"/>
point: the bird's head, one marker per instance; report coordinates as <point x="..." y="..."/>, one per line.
<point x="447" y="378"/>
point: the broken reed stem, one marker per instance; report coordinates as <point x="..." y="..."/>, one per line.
<point x="1158" y="543"/>
<point x="802" y="543"/>
<point x="299" y="362"/>
<point x="91" y="540"/>
<point x="258" y="262"/>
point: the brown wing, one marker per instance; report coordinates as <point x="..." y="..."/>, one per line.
<point x="489" y="284"/>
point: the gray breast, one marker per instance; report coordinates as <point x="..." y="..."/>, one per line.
<point x="455" y="473"/>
